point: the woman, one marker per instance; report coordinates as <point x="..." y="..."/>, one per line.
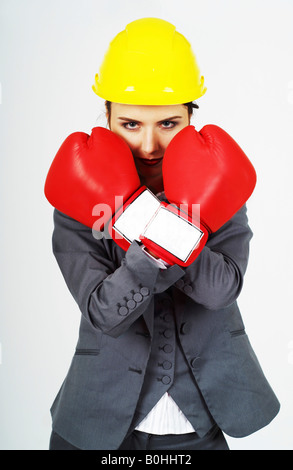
<point x="162" y="361"/>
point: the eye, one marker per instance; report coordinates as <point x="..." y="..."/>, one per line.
<point x="131" y="125"/>
<point x="168" y="124"/>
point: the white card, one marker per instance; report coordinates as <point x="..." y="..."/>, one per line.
<point x="173" y="233"/>
<point x="136" y="216"/>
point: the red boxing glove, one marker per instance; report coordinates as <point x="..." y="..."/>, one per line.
<point x="97" y="173"/>
<point x="206" y="168"/>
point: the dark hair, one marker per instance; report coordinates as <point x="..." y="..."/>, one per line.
<point x="190" y="107"/>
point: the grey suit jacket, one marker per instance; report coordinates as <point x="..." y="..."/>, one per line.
<point x="97" y="400"/>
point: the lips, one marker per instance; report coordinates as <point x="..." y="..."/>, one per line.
<point x="152" y="162"/>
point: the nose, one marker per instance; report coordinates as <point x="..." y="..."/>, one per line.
<point x="150" y="142"/>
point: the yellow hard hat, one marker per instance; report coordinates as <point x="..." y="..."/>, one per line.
<point x="149" y="63"/>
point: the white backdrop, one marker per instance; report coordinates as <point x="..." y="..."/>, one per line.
<point x="49" y="53"/>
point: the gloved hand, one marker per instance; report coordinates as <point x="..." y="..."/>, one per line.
<point x="206" y="168"/>
<point x="96" y="174"/>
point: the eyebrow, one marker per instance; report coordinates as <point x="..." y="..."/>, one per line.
<point x="122" y="118"/>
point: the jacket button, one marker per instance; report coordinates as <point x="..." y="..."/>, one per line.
<point x="167" y="317"/>
<point x="131" y="303"/>
<point x="179" y="283"/>
<point x="167" y="348"/>
<point x="167" y="333"/>
<point x="144" y="291"/>
<point x="166" y="379"/>
<point x="185" y="328"/>
<point x="167" y="365"/>
<point x="194" y="361"/>
<point x="187" y="289"/>
<point x="123" y="311"/>
<point x="137" y="297"/>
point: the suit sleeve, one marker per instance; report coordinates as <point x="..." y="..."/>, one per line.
<point x="215" y="279"/>
<point x="111" y="288"/>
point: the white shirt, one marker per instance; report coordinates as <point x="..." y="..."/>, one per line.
<point x="165" y="418"/>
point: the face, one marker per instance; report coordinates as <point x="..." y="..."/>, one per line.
<point x="148" y="130"/>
